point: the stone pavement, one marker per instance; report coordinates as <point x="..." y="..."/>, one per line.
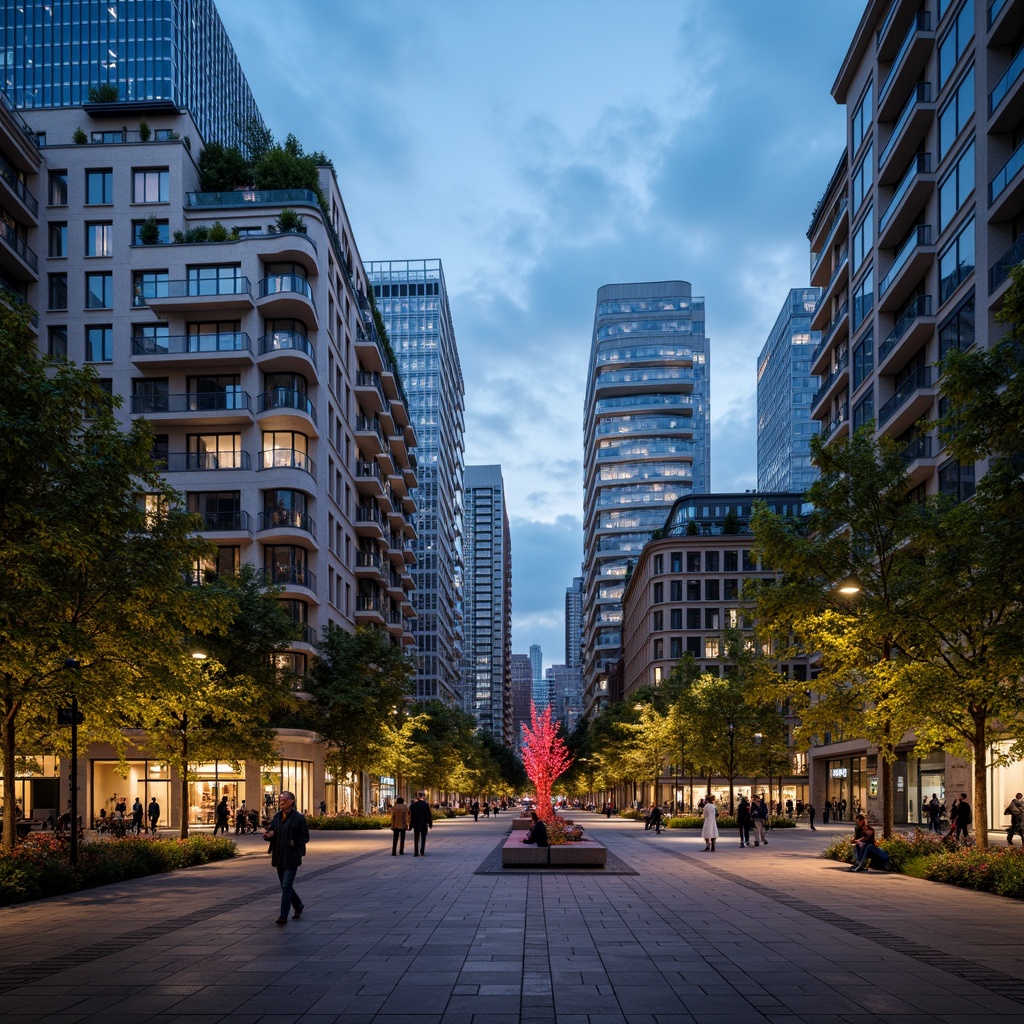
<point x="742" y="935"/>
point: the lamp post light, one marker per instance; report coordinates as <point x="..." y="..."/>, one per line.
<point x="732" y="766"/>
<point x="199" y="656"/>
<point x="73" y="718"/>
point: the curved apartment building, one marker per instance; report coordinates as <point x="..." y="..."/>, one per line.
<point x="647" y="443"/>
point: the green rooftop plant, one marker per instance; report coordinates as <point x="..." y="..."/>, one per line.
<point x="149" y="232"/>
<point x="289" y="220"/>
<point x="80" y="137"/>
<point x="145" y="132"/>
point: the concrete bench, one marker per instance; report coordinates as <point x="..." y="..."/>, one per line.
<point x="587" y="853"/>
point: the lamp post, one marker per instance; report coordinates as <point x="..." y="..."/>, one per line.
<point x="73" y="718"/>
<point x="732" y="766"/>
<point x="199" y="656"/>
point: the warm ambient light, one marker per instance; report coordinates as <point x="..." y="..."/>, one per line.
<point x="200" y="655"/>
<point x="851" y="585"/>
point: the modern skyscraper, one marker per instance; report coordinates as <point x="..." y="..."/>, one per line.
<point x="413" y="301"/>
<point x="155" y="57"/>
<point x="647" y="442"/>
<point x="522" y="694"/>
<point x="574" y="623"/>
<point x="541" y="693"/>
<point x="487" y="662"/>
<point x="565" y="684"/>
<point x="785" y="392"/>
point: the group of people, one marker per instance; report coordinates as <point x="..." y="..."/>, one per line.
<point x="487" y="808"/>
<point x="143" y="820"/>
<point x="416" y="816"/>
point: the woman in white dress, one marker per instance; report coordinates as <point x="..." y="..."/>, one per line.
<point x="709" y="831"/>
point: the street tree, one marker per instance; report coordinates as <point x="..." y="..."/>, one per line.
<point x="447" y="747"/>
<point x="395" y="751"/>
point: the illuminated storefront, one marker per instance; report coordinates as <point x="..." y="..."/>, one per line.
<point x="145" y="779"/>
<point x="292" y="775"/>
<point x="36" y="786"/>
<point x="846" y="780"/>
<point x="210" y="783"/>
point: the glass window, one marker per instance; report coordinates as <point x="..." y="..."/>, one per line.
<point x="676" y="618"/>
<point x="711" y="561"/>
<point x="863" y="299"/>
<point x="956" y="187"/>
<point x="863" y="238"/>
<point x="150" y="186"/>
<point x="215" y="280"/>
<point x="163" y="235"/>
<point x="958" y="331"/>
<point x="956" y="113"/>
<point x="675" y="647"/>
<point x="214" y="451"/>
<point x="99" y="291"/>
<point x="98" y="238"/>
<point x="658" y="621"/>
<point x="99" y="187"/>
<point x="956" y="481"/>
<point x="711" y="590"/>
<point x="863" y="358"/>
<point x="58" y="343"/>
<point x="675" y="590"/>
<point x="57" y="292"/>
<point x="99" y="344"/>
<point x="954" y="42"/>
<point x="956" y="261"/>
<point x="148" y="284"/>
<point x="693" y="561"/>
<point x="730" y="561"/>
<point x="58" y="188"/>
<point x="860" y="185"/>
<point x="693" y="590"/>
<point x="658" y="595"/>
<point x="864" y="410"/>
<point x="659" y="648"/>
<point x="693" y="618"/>
<point x="58" y="240"/>
<point x="861" y="120"/>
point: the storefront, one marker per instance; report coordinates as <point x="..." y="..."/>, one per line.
<point x="340" y="794"/>
<point x="292" y="775"/>
<point x="209" y="784"/>
<point x="36" y="786"/>
<point x="846" y="785"/>
<point x="1005" y="781"/>
<point x="382" y="792"/>
<point x="917" y="778"/>
<point x="147" y="780"/>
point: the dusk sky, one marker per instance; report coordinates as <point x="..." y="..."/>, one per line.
<point x="541" y="150"/>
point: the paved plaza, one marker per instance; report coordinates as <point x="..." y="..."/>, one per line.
<point x="742" y="935"/>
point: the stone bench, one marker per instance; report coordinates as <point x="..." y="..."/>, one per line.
<point x="587" y="853"/>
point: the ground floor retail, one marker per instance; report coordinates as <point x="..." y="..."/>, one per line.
<point x="681" y="795"/>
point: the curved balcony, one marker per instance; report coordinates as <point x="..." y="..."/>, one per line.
<point x="912" y="329"/>
<point x="287" y="247"/>
<point x="234" y="347"/>
<point x="186" y="462"/>
<point x="287" y="458"/>
<point x="369" y="480"/>
<point x="831" y="383"/>
<point x="289" y="577"/>
<point x="369" y="351"/>
<point x="908" y="403"/>
<point x="370" y="609"/>
<point x="835" y="332"/>
<point x="16" y="256"/>
<point x="908" y="199"/>
<point x="235" y="523"/>
<point x="215" y="408"/>
<point x="16" y="192"/>
<point x="839" y="425"/>
<point x="1003" y="23"/>
<point x="287" y="296"/>
<point x="287" y="350"/>
<point x="835" y="232"/>
<point x="369" y="435"/>
<point x="1000" y="270"/>
<point x="370" y="394"/>
<point x="285" y="521"/>
<point x="919" y="457"/>
<point x="837" y="283"/>
<point x="369" y="564"/>
<point x="369" y="522"/>
<point x="287" y="404"/>
<point x="209" y="297"/>
<point x="907" y="269"/>
<point x="909" y="130"/>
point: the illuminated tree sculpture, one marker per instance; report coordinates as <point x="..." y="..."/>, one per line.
<point x="545" y="757"/>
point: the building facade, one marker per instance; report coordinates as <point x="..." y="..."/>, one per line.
<point x="541" y="691"/>
<point x="413" y="301"/>
<point x="154" y="58"/>
<point x="522" y="694"/>
<point x="565" y="684"/>
<point x="785" y="391"/>
<point x="487" y="662"/>
<point x="647" y="442"/>
<point x="574" y="623"/>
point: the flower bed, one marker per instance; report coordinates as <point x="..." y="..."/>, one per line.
<point x="724" y="821"/>
<point x="562" y="831"/>
<point x="39" y="866"/>
<point x="344" y="822"/>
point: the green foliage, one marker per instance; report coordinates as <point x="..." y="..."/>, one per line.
<point x="149" y="232"/>
<point x="731" y="524"/>
<point x="347" y="822"/>
<point x="215" y="232"/>
<point x="145" y="132"/>
<point x="223" y="168"/>
<point x="105" y="93"/>
<point x="724" y="821"/>
<point x="289" y="220"/>
<point x="79" y="137"/>
<point x="691" y="528"/>
<point x="218" y="233"/>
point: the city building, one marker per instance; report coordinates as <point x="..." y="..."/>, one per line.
<point x="541" y="690"/>
<point x="487" y="594"/>
<point x="912" y="243"/>
<point x="522" y="694"/>
<point x="152" y="58"/>
<point x="574" y="623"/>
<point x="647" y="442"/>
<point x="785" y="391"/>
<point x="413" y="301"/>
<point x="565" y="685"/>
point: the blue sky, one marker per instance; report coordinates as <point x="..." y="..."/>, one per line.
<point x="543" y="149"/>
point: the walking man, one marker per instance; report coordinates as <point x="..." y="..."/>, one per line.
<point x="809" y="808"/>
<point x="934" y="809"/>
<point x="760" y="821"/>
<point x="399" y="826"/>
<point x="137" y="813"/>
<point x="287" y="835"/>
<point x="1016" y="813"/>
<point x="963" y="816"/>
<point x="154" y="814"/>
<point x="421" y="820"/>
<point x="220" y="816"/>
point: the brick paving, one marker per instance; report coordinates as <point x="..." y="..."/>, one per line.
<point x="742" y="935"/>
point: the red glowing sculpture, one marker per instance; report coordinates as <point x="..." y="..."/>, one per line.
<point x="545" y="757"/>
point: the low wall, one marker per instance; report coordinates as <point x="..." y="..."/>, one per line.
<point x="587" y="853"/>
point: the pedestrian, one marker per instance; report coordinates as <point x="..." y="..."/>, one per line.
<point x="656" y="819"/>
<point x="476" y="810"/>
<point x="809" y="808"/>
<point x="220" y="815"/>
<point x="288" y="835"/>
<point x="153" y="812"/>
<point x="709" y="831"/>
<point x="842" y="808"/>
<point x="537" y="834"/>
<point x="800" y="808"/>
<point x="137" y="816"/>
<point x="963" y="817"/>
<point x="421" y="819"/>
<point x="789" y="808"/>
<point x="863" y="843"/>
<point x="743" y="819"/>
<point x="607" y="810"/>
<point x="399" y="826"/>
<point x="1016" y="812"/>
<point x="323" y="808"/>
<point x="762" y="820"/>
<point x="825" y="808"/>
<point x="934" y="810"/>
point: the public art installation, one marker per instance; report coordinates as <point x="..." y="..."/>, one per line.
<point x="545" y="757"/>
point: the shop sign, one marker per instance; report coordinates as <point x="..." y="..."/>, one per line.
<point x="873" y="786"/>
<point x="838" y="773"/>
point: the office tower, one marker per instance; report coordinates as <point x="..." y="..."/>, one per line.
<point x="522" y="694"/>
<point x="785" y="392"/>
<point x="929" y="188"/>
<point x="151" y="58"/>
<point x="574" y="623"/>
<point x="413" y="301"/>
<point x="487" y="592"/>
<point x="647" y="442"/>
<point x="541" y="693"/>
<point x="565" y="685"/>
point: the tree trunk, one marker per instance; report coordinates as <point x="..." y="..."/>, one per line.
<point x="10" y="714"/>
<point x="183" y="832"/>
<point x="888" y="797"/>
<point x="980" y="795"/>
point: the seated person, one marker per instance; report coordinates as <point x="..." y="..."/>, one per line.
<point x="864" y="849"/>
<point x="537" y="835"/>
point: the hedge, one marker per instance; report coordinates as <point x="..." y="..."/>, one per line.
<point x="347" y="822"/>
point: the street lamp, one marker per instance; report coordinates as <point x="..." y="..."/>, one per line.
<point x="849" y="587"/>
<point x="732" y="763"/>
<point x="199" y="656"/>
<point x="72" y="717"/>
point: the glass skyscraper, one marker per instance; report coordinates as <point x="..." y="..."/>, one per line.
<point x="413" y="301"/>
<point x="785" y="394"/>
<point x="174" y="51"/>
<point x="647" y="442"/>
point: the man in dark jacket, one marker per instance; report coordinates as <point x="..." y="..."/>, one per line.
<point x="537" y="835"/>
<point x="963" y="818"/>
<point x="421" y="819"/>
<point x="287" y="834"/>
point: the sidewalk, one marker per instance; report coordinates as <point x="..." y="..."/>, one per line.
<point x="742" y="935"/>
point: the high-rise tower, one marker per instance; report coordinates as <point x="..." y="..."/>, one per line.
<point x="412" y="298"/>
<point x="647" y="442"/>
<point x="574" y="623"/>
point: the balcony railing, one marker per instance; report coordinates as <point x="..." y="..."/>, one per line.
<point x="10" y="175"/>
<point x="840" y="418"/>
<point x="183" y="344"/>
<point x="289" y="576"/>
<point x="371" y="603"/>
<point x="921" y="306"/>
<point x="893" y="7"/>
<point x="921" y="164"/>
<point x="286" y="518"/>
<point x="224" y="401"/>
<point x="286" y="341"/>
<point x="286" y="398"/>
<point x="281" y="284"/>
<point x="922" y="23"/>
<point x="255" y="197"/>
<point x="921" y="93"/>
<point x="827" y="334"/>
<point x="19" y="245"/>
<point x="827" y="383"/>
<point x="1006" y="174"/>
<point x="288" y="458"/>
<point x="840" y="213"/>
<point x="367" y="469"/>
<point x="921" y="235"/>
<point x="371" y="424"/>
<point x="368" y="560"/>
<point x="365" y="379"/>
<point x="183" y="462"/>
<point x="1003" y="86"/>
<point x="918" y="379"/>
<point x="1002" y="267"/>
<point x="993" y="10"/>
<point x="190" y="289"/>
<point x="919" y="448"/>
<point x="369" y="514"/>
<point x="231" y="521"/>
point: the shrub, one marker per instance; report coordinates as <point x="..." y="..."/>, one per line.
<point x="839" y="848"/>
<point x="79" y="136"/>
<point x="347" y="822"/>
<point x="218" y="233"/>
<point x="562" y="831"/>
<point x="144" y="130"/>
<point x="149" y="232"/>
<point x="289" y="220"/>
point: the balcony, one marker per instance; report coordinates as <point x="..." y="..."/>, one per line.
<point x="371" y="608"/>
<point x="911" y="330"/>
<point x="254" y="197"/>
<point x="1006" y="100"/>
<point x="288" y="458"/>
<point x="829" y="384"/>
<point x="908" y="199"/>
<point x="918" y="458"/>
<point x="369" y="351"/>
<point x="285" y="520"/>
<point x="908" y="268"/>
<point x="210" y="296"/>
<point x="16" y="256"/>
<point x="289" y="577"/>
<point x="286" y="295"/>
<point x="285" y="401"/>
<point x="369" y="563"/>
<point x="214" y="408"/>
<point x="1004" y="19"/>
<point x="287" y="350"/>
<point x="233" y="521"/>
<point x="14" y="190"/>
<point x="908" y="63"/>
<point x="835" y="332"/>
<point x="370" y="393"/>
<point x="911" y="400"/>
<point x="368" y="478"/>
<point x="369" y="435"/>
<point x="369" y="522"/>
<point x="1006" y="189"/>
<point x="832" y="234"/>
<point x="907" y="133"/>
<point x="193" y="349"/>
<point x="839" y="425"/>
<point x="1001" y="268"/>
<point x="186" y="462"/>
<point x="837" y="283"/>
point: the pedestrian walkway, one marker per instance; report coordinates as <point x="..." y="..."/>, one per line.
<point x="740" y="935"/>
